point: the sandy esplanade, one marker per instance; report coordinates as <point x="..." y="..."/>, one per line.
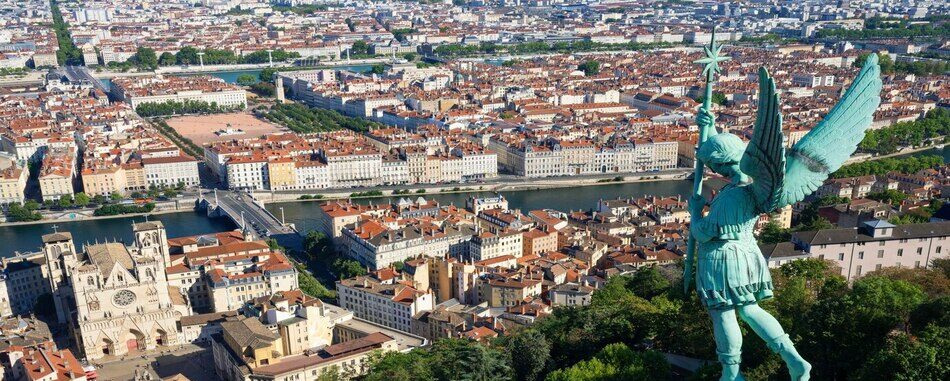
<point x="201" y="128"/>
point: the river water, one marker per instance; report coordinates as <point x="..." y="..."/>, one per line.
<point x="26" y="238"/>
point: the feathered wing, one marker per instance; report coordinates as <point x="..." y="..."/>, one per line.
<point x="764" y="158"/>
<point x="823" y="150"/>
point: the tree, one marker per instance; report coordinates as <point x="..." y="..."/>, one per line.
<point x="31" y="205"/>
<point x="166" y="59"/>
<point x="409" y="56"/>
<point x="146" y="58"/>
<point x="772" y="233"/>
<point x="99" y="199"/>
<point x="359" y="47"/>
<point x="378" y="69"/>
<point x="116" y="196"/>
<point x="65" y="201"/>
<point x="717" y="98"/>
<point x="82" y="199"/>
<point x="347" y="268"/>
<point x="399" y="366"/>
<point x="462" y="359"/>
<point x="530" y="352"/>
<point x="20" y="213"/>
<point x="905" y="358"/>
<point x="617" y="362"/>
<point x="648" y="283"/>
<point x="274" y="246"/>
<point x="187" y="55"/>
<point x="246" y="80"/>
<point x="890" y="196"/>
<point x="267" y="75"/>
<point x="589" y="67"/>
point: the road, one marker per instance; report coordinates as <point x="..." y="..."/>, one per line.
<point x="247" y="214"/>
<point x="81" y="73"/>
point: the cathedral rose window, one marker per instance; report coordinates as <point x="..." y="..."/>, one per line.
<point x="123" y="298"/>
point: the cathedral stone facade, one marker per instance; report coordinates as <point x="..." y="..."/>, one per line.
<point x="114" y="297"/>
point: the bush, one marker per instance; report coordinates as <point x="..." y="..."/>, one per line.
<point x="20" y="213"/>
<point x="118" y="209"/>
<point x="150" y="109"/>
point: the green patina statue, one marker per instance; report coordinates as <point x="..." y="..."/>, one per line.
<point x="731" y="275"/>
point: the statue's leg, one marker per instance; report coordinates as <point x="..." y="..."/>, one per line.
<point x="728" y="342"/>
<point x="769" y="329"/>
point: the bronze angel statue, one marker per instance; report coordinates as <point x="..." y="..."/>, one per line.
<point x="731" y="273"/>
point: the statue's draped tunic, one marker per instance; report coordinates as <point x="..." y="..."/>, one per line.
<point x="731" y="270"/>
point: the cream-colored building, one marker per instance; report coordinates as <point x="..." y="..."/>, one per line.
<point x="507" y="292"/>
<point x="57" y="172"/>
<point x="389" y="304"/>
<point x="12" y="184"/>
<point x="171" y="171"/>
<point x="489" y="245"/>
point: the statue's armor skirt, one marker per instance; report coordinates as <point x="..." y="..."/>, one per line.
<point x="732" y="273"/>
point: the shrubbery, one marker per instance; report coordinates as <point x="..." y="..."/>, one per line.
<point x="119" y="209"/>
<point x="302" y="119"/>
<point x="189" y="106"/>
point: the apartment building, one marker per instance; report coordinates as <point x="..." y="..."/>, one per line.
<point x="41" y="362"/>
<point x="220" y="272"/>
<point x="571" y="294"/>
<point x="248" y="173"/>
<point x="874" y="245"/>
<point x="159" y="89"/>
<point x="390" y="304"/>
<point x="377" y="246"/>
<point x="171" y="171"/>
<point x="57" y="174"/>
<point x="488" y="245"/>
<point x="507" y="292"/>
<point x="12" y="184"/>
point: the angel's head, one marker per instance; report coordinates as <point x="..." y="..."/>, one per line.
<point x="722" y="153"/>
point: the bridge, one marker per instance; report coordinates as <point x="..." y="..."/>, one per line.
<point x="82" y="74"/>
<point x="249" y="214"/>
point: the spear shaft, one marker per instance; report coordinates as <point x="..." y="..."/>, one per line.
<point x="711" y="61"/>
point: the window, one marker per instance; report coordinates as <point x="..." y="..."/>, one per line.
<point x="920" y="250"/>
<point x="878" y="267"/>
<point x="840" y="256"/>
<point x="860" y="255"/>
<point x="939" y="248"/>
<point x="900" y="253"/>
<point x="916" y="264"/>
<point x="859" y="270"/>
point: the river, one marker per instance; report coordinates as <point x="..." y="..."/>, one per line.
<point x="26" y="238"/>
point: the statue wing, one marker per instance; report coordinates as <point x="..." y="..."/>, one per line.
<point x="764" y="157"/>
<point x="823" y="150"/>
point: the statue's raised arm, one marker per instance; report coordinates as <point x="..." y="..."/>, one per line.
<point x="781" y="179"/>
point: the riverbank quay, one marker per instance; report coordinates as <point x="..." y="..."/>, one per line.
<point x="505" y="185"/>
<point x="210" y="69"/>
<point x="177" y="205"/>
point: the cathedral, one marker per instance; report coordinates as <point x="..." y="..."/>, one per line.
<point x="116" y="298"/>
